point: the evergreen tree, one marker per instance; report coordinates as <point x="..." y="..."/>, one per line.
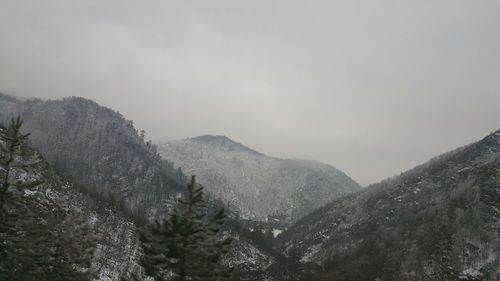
<point x="43" y="242"/>
<point x="188" y="245"/>
<point x="17" y="220"/>
<point x="16" y="161"/>
<point x="38" y="239"/>
<point x="71" y="243"/>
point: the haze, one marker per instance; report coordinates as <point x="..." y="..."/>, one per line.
<point x="371" y="87"/>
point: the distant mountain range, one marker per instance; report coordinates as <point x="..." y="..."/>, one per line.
<point x="258" y="186"/>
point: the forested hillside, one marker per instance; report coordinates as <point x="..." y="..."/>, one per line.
<point x="113" y="182"/>
<point x="439" y="221"/>
<point x="80" y="200"/>
<point x="260" y="187"/>
<point x="50" y="229"/>
<point x="99" y="149"/>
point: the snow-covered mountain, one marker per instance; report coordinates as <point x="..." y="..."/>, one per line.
<point x="99" y="149"/>
<point x="258" y="186"/>
<point x="438" y="221"/>
<point x="103" y="170"/>
<point x="116" y="248"/>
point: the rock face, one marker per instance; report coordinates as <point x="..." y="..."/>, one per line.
<point x="439" y="221"/>
<point x="259" y="186"/>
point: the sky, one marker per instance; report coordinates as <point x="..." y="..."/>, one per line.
<point x="370" y="87"/>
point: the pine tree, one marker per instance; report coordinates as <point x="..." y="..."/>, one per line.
<point x="17" y="219"/>
<point x="16" y="161"/>
<point x="71" y="243"/>
<point x="42" y="242"/>
<point x="38" y="239"/>
<point x="188" y="245"/>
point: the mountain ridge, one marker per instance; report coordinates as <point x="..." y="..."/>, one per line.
<point x="222" y="140"/>
<point x="437" y="221"/>
<point x="261" y="187"/>
<point x="108" y="170"/>
<point x="98" y="147"/>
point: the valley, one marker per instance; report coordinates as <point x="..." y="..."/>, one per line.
<point x="289" y="219"/>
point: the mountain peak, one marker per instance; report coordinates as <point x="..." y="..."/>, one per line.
<point x="212" y="138"/>
<point x="223" y="141"/>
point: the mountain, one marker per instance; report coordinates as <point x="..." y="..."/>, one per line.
<point x="58" y="209"/>
<point x="438" y="221"/>
<point x="102" y="169"/>
<point x="51" y="229"/>
<point x="98" y="148"/>
<point x="258" y="186"/>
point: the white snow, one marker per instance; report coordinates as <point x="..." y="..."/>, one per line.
<point x="258" y="186"/>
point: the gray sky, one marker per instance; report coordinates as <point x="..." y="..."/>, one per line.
<point x="371" y="87"/>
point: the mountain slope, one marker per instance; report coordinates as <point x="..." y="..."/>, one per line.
<point x="259" y="186"/>
<point x="439" y="221"/>
<point x="50" y="229"/>
<point x="110" y="176"/>
<point x="98" y="148"/>
<point x="117" y="248"/>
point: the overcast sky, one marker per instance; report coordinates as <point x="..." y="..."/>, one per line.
<point x="371" y="87"/>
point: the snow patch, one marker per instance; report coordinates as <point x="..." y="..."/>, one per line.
<point x="277" y="232"/>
